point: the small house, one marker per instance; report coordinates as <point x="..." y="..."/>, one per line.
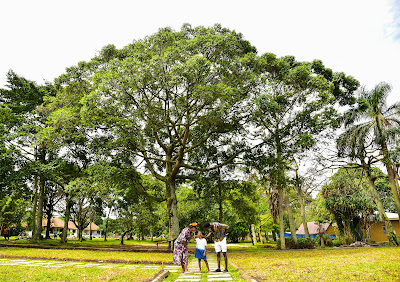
<point x="378" y="230"/>
<point x="56" y="224"/>
<point x="313" y="229"/>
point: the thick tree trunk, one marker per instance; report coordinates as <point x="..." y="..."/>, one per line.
<point x="253" y="235"/>
<point x="220" y="207"/>
<point x="220" y="204"/>
<point x="174" y="228"/>
<point x="291" y="219"/>
<point x="302" y="206"/>
<point x="105" y="231"/>
<point x="48" y="225"/>
<point x="35" y="187"/>
<point x="39" y="217"/>
<point x="260" y="235"/>
<point x="391" y="175"/>
<point x="392" y="180"/>
<point x="281" y="225"/>
<point x="172" y="202"/>
<point x="66" y="220"/>
<point x="321" y="237"/>
<point x="303" y="214"/>
<point x="388" y="225"/>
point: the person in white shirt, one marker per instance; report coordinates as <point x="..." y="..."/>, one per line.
<point x="201" y="249"/>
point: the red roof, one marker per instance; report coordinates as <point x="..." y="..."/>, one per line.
<point x="312" y="228"/>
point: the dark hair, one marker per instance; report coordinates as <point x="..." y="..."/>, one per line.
<point x="206" y="225"/>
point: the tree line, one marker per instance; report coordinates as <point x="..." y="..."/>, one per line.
<point x="187" y="125"/>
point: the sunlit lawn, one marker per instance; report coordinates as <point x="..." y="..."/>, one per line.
<point x="128" y="257"/>
<point x="95" y="242"/>
<point x="28" y="273"/>
<point x="339" y="264"/>
<point x="364" y="264"/>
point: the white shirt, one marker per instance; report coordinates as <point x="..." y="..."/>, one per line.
<point x="201" y="243"/>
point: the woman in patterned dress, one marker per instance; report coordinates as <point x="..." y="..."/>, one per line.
<point x="180" y="247"/>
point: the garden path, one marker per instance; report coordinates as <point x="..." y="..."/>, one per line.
<point x="213" y="276"/>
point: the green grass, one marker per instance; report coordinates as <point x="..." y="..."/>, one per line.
<point x="86" y="254"/>
<point x="28" y="273"/>
<point x="366" y="264"/>
<point x="95" y="242"/>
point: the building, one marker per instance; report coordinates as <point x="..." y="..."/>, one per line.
<point x="56" y="224"/>
<point x="378" y="230"/>
<point x="313" y="229"/>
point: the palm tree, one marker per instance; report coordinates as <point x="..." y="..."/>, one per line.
<point x="373" y="123"/>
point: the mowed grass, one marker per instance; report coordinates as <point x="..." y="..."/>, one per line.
<point x="127" y="257"/>
<point x="95" y="242"/>
<point x="364" y="264"/>
<point x="28" y="273"/>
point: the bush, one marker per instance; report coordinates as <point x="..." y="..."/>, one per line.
<point x="346" y="240"/>
<point x="327" y="240"/>
<point x="336" y="242"/>
<point x="302" y="243"/>
<point x="238" y="230"/>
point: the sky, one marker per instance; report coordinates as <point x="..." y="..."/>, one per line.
<point x="40" y="39"/>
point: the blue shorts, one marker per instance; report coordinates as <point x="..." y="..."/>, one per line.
<point x="200" y="254"/>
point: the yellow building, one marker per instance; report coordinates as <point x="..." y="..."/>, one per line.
<point x="378" y="229"/>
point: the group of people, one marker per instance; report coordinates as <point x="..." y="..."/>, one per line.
<point x="217" y="230"/>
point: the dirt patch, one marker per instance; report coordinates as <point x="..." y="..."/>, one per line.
<point x="90" y="260"/>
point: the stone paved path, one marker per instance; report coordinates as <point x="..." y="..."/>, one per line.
<point x="213" y="276"/>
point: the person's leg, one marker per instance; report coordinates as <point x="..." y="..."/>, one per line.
<point x="208" y="268"/>
<point x="219" y="260"/>
<point x="224" y="251"/>
<point x="185" y="268"/>
<point x="226" y="260"/>
<point x="199" y="265"/>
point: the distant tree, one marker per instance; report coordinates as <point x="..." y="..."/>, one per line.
<point x="348" y="199"/>
<point x="293" y="104"/>
<point x="22" y="97"/>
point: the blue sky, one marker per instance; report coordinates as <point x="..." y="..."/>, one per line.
<point x="39" y="39"/>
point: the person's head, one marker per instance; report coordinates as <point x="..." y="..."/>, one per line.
<point x="193" y="227"/>
<point x="207" y="225"/>
<point x="200" y="234"/>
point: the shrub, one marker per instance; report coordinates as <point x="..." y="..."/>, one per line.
<point x="327" y="240"/>
<point x="238" y="230"/>
<point x="336" y="242"/>
<point x="302" y="243"/>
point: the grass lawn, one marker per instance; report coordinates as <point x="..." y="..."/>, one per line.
<point x="363" y="264"/>
<point x="94" y="243"/>
<point x="126" y="257"/>
<point x="27" y="273"/>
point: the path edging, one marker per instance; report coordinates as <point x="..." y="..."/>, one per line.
<point x="161" y="275"/>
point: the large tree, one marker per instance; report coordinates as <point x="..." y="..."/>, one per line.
<point x="23" y="97"/>
<point x="168" y="95"/>
<point x="294" y="104"/>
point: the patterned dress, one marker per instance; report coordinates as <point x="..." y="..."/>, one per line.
<point x="180" y="252"/>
